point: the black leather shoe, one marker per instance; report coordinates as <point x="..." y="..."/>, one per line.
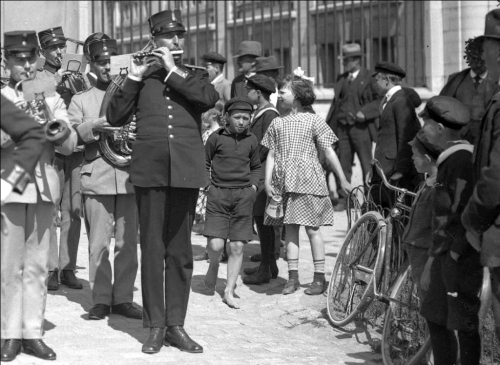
<point x="262" y="276"/>
<point x="39" y="349"/>
<point x="202" y="256"/>
<point x="99" y="311"/>
<point x="127" y="310"/>
<point x="253" y="270"/>
<point x="176" y="336"/>
<point x="155" y="340"/>
<point x="53" y="283"/>
<point x="11" y="348"/>
<point x="69" y="279"/>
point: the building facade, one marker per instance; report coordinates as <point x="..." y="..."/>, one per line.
<point x="425" y="37"/>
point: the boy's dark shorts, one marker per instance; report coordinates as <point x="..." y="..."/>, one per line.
<point x="452" y="299"/>
<point x="229" y="213"/>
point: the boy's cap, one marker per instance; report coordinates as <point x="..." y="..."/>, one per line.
<point x="446" y="110"/>
<point x="239" y="103"/>
<point x="422" y="139"/>
<point x="213" y="57"/>
<point x="389" y="68"/>
<point x="262" y="83"/>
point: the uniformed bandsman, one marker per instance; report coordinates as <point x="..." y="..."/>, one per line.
<point x="28" y="217"/>
<point x="108" y="197"/>
<point x="167" y="170"/>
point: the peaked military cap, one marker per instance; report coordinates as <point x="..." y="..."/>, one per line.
<point x="213" y="57"/>
<point x="22" y="43"/>
<point x="239" y="103"/>
<point x="91" y="39"/>
<point x="166" y="21"/>
<point x="389" y="68"/>
<point x="446" y="110"/>
<point x="102" y="49"/>
<point x="51" y="36"/>
<point x="262" y="83"/>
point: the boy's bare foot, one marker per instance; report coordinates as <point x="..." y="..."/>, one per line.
<point x="230" y="301"/>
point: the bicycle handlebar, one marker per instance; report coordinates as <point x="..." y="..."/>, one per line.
<point x="380" y="171"/>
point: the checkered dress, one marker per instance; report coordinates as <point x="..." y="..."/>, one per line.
<point x="298" y="176"/>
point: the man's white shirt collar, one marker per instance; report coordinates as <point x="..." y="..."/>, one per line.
<point x="354" y="74"/>
<point x="482" y="76"/>
<point x="390" y="93"/>
<point x="217" y="79"/>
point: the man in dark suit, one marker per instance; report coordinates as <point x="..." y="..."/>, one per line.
<point x="167" y="170"/>
<point x="473" y="86"/>
<point x="398" y="126"/>
<point x="245" y="59"/>
<point x="353" y="113"/>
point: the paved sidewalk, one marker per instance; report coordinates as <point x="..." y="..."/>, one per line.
<point x="268" y="329"/>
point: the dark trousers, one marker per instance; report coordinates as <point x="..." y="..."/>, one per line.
<point x="354" y="139"/>
<point x="166" y="217"/>
<point x="267" y="240"/>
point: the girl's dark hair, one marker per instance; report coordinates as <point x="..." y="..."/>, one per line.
<point x="302" y="89"/>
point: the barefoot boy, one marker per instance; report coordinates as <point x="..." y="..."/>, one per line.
<point x="233" y="165"/>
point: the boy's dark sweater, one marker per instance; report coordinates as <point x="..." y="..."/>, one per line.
<point x="232" y="160"/>
<point x="453" y="189"/>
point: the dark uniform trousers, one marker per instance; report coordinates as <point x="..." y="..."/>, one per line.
<point x="166" y="217"/>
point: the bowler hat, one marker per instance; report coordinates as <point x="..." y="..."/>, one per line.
<point x="446" y="110"/>
<point x="266" y="64"/>
<point x="166" y="21"/>
<point x="492" y="25"/>
<point x="351" y="50"/>
<point x="213" y="57"/>
<point x="51" y="36"/>
<point x="103" y="49"/>
<point x="238" y="103"/>
<point x="23" y="43"/>
<point x="262" y="83"/>
<point x="249" y="48"/>
<point x="389" y="68"/>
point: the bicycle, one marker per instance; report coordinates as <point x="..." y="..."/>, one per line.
<point x="371" y="265"/>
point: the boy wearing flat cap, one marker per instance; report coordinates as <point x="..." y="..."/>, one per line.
<point x="398" y="126"/>
<point x="245" y="59"/>
<point x="452" y="303"/>
<point x="233" y="167"/>
<point x="260" y="88"/>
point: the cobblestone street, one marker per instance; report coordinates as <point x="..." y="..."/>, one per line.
<point x="268" y="329"/>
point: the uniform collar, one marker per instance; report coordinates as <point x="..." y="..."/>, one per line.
<point x="50" y="68"/>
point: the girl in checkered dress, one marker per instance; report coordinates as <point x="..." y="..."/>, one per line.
<point x="294" y="172"/>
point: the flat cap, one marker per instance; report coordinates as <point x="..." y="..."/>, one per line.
<point x="262" y="83"/>
<point x="389" y="68"/>
<point x="51" y="36"/>
<point x="23" y="43"/>
<point x="422" y="143"/>
<point x="446" y="110"/>
<point x="239" y="103"/>
<point x="213" y="57"/>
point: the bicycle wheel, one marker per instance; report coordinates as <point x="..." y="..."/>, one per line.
<point x="405" y="340"/>
<point x="350" y="290"/>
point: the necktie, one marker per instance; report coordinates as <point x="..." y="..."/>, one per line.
<point x="477" y="81"/>
<point x="381" y="107"/>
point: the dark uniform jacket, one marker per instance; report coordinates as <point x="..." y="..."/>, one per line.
<point x="366" y="100"/>
<point x="168" y="150"/>
<point x="398" y="126"/>
<point x="482" y="214"/>
<point x="261" y="120"/>
<point x="30" y="140"/>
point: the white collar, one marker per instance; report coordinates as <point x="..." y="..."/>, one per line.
<point x="457" y="146"/>
<point x="217" y="79"/>
<point x="431" y="180"/>
<point x="482" y="76"/>
<point x="391" y="92"/>
<point x="354" y="74"/>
